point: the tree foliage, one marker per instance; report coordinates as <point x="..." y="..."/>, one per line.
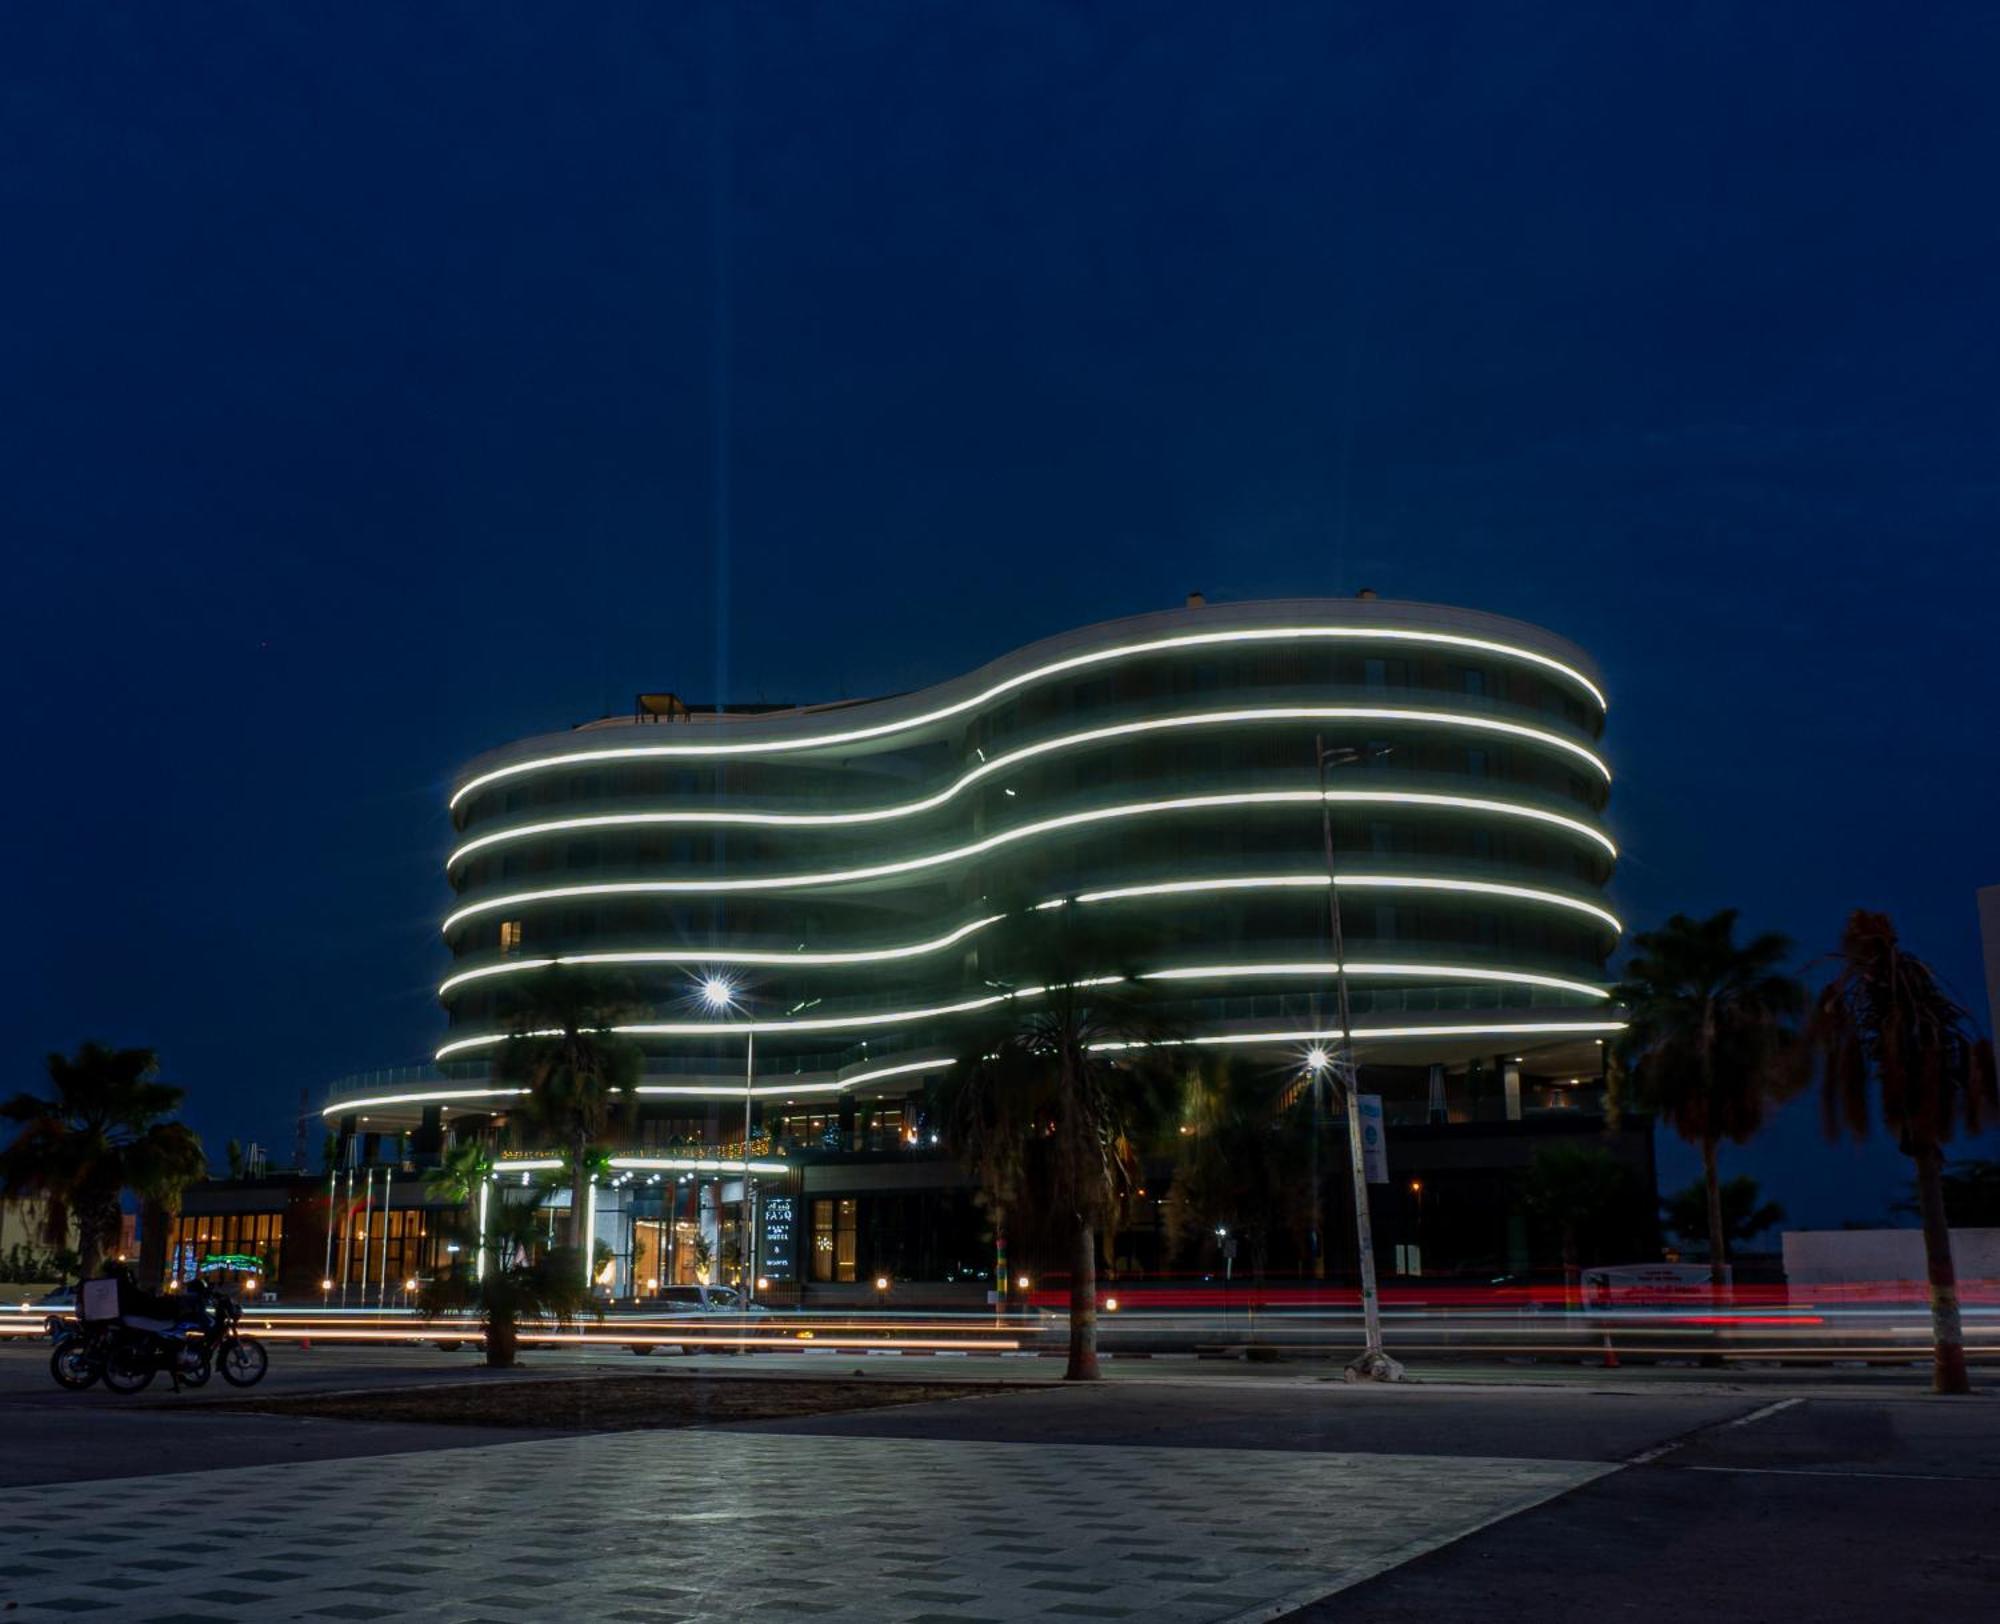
<point x="1710" y="1038"/>
<point x="580" y="1076"/>
<point x="1052" y="1106"/>
<point x="1685" y="1212"/>
<point x="1885" y="1036"/>
<point x="103" y="1127"/>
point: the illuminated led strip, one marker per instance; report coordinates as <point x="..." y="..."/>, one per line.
<point x="1365" y="1034"/>
<point x="1285" y="713"/>
<point x="696" y="1164"/>
<point x="1358" y="882"/>
<point x="679" y="1090"/>
<point x="1006" y="837"/>
<point x="695" y="1029"/>
<point x="840" y="1023"/>
<point x="1326" y="967"/>
<point x="1073" y="663"/>
<point x="877" y="956"/>
<point x="1361" y="1034"/>
<point x="775" y="1090"/>
<point x="645" y="1164"/>
<point x="429" y="1097"/>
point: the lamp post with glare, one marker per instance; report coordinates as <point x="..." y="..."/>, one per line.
<point x="719" y="995"/>
<point x="1373" y="1362"/>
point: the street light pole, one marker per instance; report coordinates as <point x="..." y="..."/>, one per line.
<point x="1373" y="1362"/>
<point x="718" y="994"/>
<point x="749" y="1196"/>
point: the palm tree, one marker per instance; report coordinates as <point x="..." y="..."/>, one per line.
<point x="1884" y="1017"/>
<point x="1709" y="1034"/>
<point x="579" y="1075"/>
<point x="458" y="1178"/>
<point x="520" y="1283"/>
<point x="1686" y="1211"/>
<point x="77" y="1148"/>
<point x="1050" y="1109"/>
<point x="1577" y="1189"/>
<point x="162" y="1163"/>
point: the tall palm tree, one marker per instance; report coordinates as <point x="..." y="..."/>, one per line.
<point x="1051" y="1108"/>
<point x="1711" y="1027"/>
<point x="75" y="1147"/>
<point x="460" y="1175"/>
<point x="579" y="1075"/>
<point x="162" y="1163"/>
<point x="1884" y="1019"/>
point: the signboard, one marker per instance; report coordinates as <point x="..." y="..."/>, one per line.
<point x="1648" y="1285"/>
<point x="777" y="1239"/>
<point x="1374" y="1148"/>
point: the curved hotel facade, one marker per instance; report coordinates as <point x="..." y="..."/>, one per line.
<point x="840" y="869"/>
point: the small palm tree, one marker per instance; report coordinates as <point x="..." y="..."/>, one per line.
<point x="579" y="1075"/>
<point x="1884" y="1020"/>
<point x="1050" y="1109"/>
<point x="163" y="1163"/>
<point x="523" y="1280"/>
<point x="1708" y="1040"/>
<point x="76" y="1148"/>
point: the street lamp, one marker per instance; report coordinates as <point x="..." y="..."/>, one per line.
<point x="719" y="995"/>
<point x="1373" y="1363"/>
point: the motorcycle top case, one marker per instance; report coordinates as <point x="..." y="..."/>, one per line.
<point x="97" y="1299"/>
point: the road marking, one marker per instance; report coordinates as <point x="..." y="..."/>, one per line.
<point x="1646" y="1457"/>
<point x="1831" y="1471"/>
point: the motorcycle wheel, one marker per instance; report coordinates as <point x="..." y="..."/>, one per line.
<point x="71" y="1364"/>
<point x="128" y="1370"/>
<point x="243" y="1361"/>
<point x="195" y="1372"/>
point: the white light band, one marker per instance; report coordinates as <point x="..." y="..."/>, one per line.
<point x="839" y="1023"/>
<point x="671" y="956"/>
<point x="1006" y="837"/>
<point x="1326" y="967"/>
<point x="1055" y="668"/>
<point x="1286" y="713"/>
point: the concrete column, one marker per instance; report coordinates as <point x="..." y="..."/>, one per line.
<point x="1510" y="1079"/>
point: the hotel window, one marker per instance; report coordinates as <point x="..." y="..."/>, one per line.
<point x="833" y="1240"/>
<point x="1472" y="682"/>
<point x="510" y="935"/>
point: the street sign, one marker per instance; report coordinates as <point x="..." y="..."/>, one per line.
<point x="1374" y="1149"/>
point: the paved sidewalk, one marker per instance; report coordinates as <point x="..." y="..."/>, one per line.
<point x="726" y="1526"/>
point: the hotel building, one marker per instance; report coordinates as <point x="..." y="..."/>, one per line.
<point x="837" y="869"/>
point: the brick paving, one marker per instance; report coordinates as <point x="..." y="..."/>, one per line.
<point x="739" y="1526"/>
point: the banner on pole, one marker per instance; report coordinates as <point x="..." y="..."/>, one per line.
<point x="1374" y="1150"/>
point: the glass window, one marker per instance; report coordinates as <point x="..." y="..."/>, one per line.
<point x="510" y="935"/>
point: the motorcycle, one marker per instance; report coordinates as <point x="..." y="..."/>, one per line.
<point x="77" y="1359"/>
<point x="189" y="1350"/>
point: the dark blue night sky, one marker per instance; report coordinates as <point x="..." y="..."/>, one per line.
<point x="363" y="372"/>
